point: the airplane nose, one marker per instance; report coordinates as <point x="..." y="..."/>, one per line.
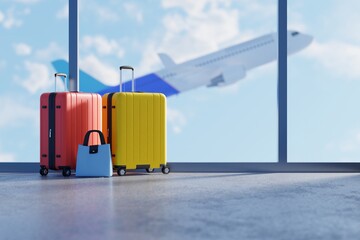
<point x="307" y="39"/>
<point x="298" y="42"/>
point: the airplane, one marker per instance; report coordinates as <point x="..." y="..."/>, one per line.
<point x="218" y="69"/>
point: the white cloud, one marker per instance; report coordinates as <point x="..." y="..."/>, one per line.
<point x="92" y="64"/>
<point x="206" y="26"/>
<point x="12" y="17"/>
<point x="38" y="75"/>
<point x="202" y="27"/>
<point x="35" y="75"/>
<point x="337" y="57"/>
<point x="9" y="20"/>
<point x="37" y="78"/>
<point x="15" y="113"/>
<point x="22" y="49"/>
<point x="51" y="52"/>
<point x="149" y="61"/>
<point x="100" y="12"/>
<point x="2" y="16"/>
<point x="106" y="14"/>
<point x="191" y="7"/>
<point x="102" y="45"/>
<point x="176" y="119"/>
<point x="7" y="157"/>
<point x="27" y="1"/>
<point x="63" y="13"/>
<point x="199" y="34"/>
<point x="259" y="10"/>
<point x="295" y="19"/>
<point x="134" y="11"/>
<point x="342" y="18"/>
<point x="194" y="7"/>
<point x="98" y="69"/>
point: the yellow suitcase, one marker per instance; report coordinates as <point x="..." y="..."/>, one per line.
<point x="135" y="125"/>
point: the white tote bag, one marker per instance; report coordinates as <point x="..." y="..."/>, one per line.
<point x="95" y="160"/>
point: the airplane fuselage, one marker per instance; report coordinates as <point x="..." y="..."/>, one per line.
<point x="241" y="57"/>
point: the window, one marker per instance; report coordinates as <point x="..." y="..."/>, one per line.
<point x="323" y="83"/>
<point x="234" y="123"/>
<point x="26" y="71"/>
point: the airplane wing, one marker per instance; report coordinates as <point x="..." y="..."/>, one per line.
<point x="228" y="75"/>
<point x="216" y="81"/>
<point x="147" y="83"/>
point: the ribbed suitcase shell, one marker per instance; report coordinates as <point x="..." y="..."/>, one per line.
<point x="138" y="132"/>
<point x="75" y="114"/>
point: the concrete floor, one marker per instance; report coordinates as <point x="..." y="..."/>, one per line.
<point x="181" y="206"/>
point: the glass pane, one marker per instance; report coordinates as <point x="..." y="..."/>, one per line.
<point x="32" y="34"/>
<point x="232" y="123"/>
<point x="323" y="83"/>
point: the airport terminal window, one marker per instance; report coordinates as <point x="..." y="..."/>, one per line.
<point x="323" y="83"/>
<point x="203" y="124"/>
<point x="322" y="77"/>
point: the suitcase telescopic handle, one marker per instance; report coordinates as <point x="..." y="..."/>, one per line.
<point x="132" y="77"/>
<point x="61" y="75"/>
<point x="87" y="135"/>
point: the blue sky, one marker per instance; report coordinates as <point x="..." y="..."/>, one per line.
<point x="232" y="124"/>
<point x="323" y="83"/>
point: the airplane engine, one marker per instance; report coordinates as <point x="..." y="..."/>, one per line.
<point x="229" y="76"/>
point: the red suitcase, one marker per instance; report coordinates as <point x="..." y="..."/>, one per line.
<point x="65" y="117"/>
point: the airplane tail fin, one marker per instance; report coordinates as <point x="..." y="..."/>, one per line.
<point x="148" y="83"/>
<point x="166" y="60"/>
<point x="87" y="82"/>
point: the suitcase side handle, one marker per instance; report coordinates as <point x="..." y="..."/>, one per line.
<point x="61" y="75"/>
<point x="87" y="136"/>
<point x="132" y="79"/>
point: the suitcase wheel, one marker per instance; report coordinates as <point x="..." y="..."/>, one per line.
<point x="121" y="171"/>
<point x="66" y="172"/>
<point x="44" y="171"/>
<point x="150" y="170"/>
<point x="165" y="170"/>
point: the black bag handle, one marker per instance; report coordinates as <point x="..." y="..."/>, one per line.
<point x="87" y="135"/>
